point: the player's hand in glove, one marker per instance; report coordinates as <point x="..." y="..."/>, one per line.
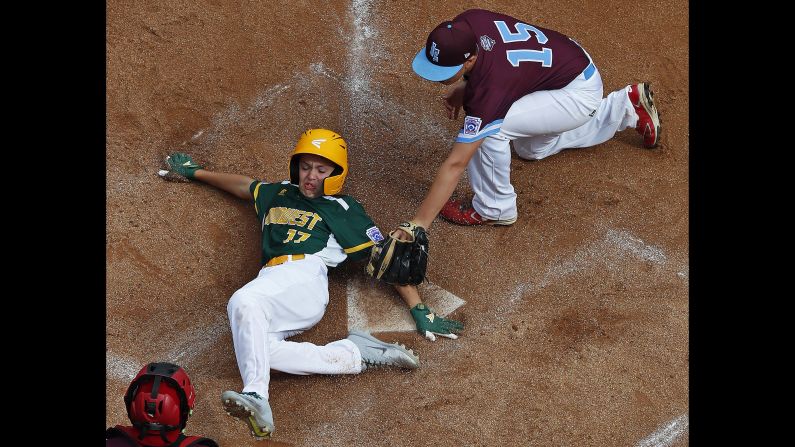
<point x="401" y="258"/>
<point x="430" y="325"/>
<point x="180" y="164"/>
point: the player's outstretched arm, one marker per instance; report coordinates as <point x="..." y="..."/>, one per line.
<point x="428" y="323"/>
<point x="235" y="184"/>
<point x="182" y="165"/>
<point x="445" y="182"/>
<point x="443" y="185"/>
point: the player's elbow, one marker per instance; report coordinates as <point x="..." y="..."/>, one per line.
<point x="242" y="190"/>
<point x="244" y="194"/>
<point x="454" y="165"/>
<point x="460" y="155"/>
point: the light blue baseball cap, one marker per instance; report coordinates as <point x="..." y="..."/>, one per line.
<point x="449" y="45"/>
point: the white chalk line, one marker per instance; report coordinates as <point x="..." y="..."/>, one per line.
<point x="358" y="70"/>
<point x="232" y="116"/>
<point x="357" y="84"/>
<point x="667" y="433"/>
<point x="197" y="341"/>
<point x="635" y="245"/>
<point x="189" y="346"/>
<point x="615" y="245"/>
<point x="390" y="107"/>
<point x="358" y="76"/>
<point x="120" y="367"/>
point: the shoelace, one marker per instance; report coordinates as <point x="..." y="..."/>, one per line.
<point x="253" y="394"/>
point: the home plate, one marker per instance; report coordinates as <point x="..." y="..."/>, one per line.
<point x="376" y="307"/>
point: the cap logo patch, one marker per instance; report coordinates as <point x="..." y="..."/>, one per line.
<point x="316" y="143"/>
<point x="434" y="52"/>
<point x="472" y="125"/>
<point x="487" y="42"/>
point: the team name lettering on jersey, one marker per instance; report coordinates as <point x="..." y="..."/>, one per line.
<point x="290" y="216"/>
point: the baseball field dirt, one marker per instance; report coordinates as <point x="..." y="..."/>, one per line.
<point x="576" y="316"/>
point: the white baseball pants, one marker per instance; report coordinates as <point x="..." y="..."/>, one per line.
<point x="285" y="300"/>
<point x="542" y="124"/>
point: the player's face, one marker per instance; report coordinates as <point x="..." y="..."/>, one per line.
<point x="312" y="169"/>
<point x="466" y="68"/>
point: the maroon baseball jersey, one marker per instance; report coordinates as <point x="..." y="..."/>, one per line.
<point x="514" y="59"/>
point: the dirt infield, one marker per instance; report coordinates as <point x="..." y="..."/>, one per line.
<point x="576" y="316"/>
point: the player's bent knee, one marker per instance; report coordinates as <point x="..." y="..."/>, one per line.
<point x="241" y="303"/>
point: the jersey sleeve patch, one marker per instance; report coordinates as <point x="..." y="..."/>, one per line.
<point x="473" y="132"/>
<point x="374" y="234"/>
<point x="472" y="125"/>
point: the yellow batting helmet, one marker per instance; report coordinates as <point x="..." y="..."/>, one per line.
<point x="329" y="145"/>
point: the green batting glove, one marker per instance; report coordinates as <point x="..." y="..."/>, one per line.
<point x="430" y="325"/>
<point x="182" y="164"/>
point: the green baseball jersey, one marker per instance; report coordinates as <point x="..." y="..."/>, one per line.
<point x="332" y="227"/>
